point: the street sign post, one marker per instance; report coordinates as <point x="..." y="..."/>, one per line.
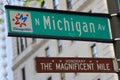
<point x="44" y="23"/>
<point x="119" y="6"/>
<point x="67" y="64"/>
<point x="115" y="27"/>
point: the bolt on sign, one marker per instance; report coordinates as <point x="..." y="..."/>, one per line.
<point x="52" y="64"/>
<point x="46" y="23"/>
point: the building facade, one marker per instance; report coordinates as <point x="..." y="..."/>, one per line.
<point x="4" y="65"/>
<point x="27" y="49"/>
<point x="6" y="52"/>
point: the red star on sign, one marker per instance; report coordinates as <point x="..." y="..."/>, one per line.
<point x="27" y="15"/>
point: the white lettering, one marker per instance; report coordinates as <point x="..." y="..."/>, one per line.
<point x="66" y="25"/>
<point x="47" y="22"/>
<point x="85" y="27"/>
<point x="74" y="66"/>
<point x="37" y="21"/>
<point x="78" y="28"/>
<point x="72" y="24"/>
<point x="69" y="25"/>
<point x="58" y="23"/>
<point x="92" y="27"/>
<point x="46" y="66"/>
<point x="53" y="21"/>
<point x="103" y="66"/>
<point x="102" y="28"/>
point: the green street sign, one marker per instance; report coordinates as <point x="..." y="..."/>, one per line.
<point x="46" y="23"/>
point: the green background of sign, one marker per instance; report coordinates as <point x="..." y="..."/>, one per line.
<point x="39" y="30"/>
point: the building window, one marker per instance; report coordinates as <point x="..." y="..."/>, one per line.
<point x="23" y="42"/>
<point x="50" y="78"/>
<point x="18" y="50"/>
<point x="76" y="73"/>
<point x="33" y="40"/>
<point x="43" y="4"/>
<point x="94" y="50"/>
<point x="90" y="11"/>
<point x="72" y="41"/>
<point x="69" y="4"/>
<point x="59" y="46"/>
<point x="23" y="74"/>
<point x="56" y="4"/>
<point x="62" y="76"/>
<point x="47" y="52"/>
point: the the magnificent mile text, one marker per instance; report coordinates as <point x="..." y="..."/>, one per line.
<point x="75" y="65"/>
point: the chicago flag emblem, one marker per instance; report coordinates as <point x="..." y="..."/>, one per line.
<point x="21" y="21"/>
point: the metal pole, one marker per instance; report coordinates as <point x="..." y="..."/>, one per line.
<point x="115" y="27"/>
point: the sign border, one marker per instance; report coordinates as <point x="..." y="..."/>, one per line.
<point x="57" y="11"/>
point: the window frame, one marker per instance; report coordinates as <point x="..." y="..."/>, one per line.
<point x="23" y="73"/>
<point x="56" y="4"/>
<point x="47" y="52"/>
<point x="69" y="4"/>
<point x="94" y="51"/>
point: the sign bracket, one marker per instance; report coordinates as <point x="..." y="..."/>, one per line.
<point x="117" y="39"/>
<point x="115" y="63"/>
<point x="113" y="15"/>
<point x="118" y="60"/>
